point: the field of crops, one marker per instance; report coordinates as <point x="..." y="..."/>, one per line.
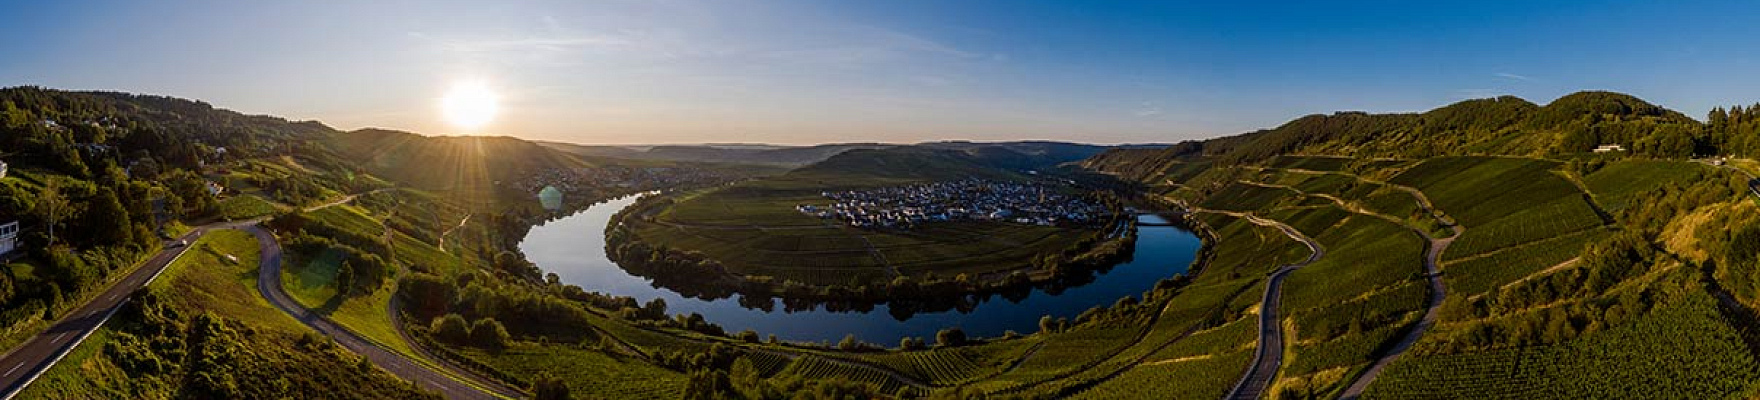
<point x="1343" y="351"/>
<point x="1062" y="353"/>
<point x="1616" y="184"/>
<point x="1197" y="378"/>
<point x="940" y="367"/>
<point x="815" y="367"/>
<point x="1559" y="217"/>
<point x="245" y="207"/>
<point x="1311" y="221"/>
<point x="1315" y="163"/>
<point x="1384" y="308"/>
<point x="1683" y="350"/>
<point x="589" y="374"/>
<point x="1479" y="190"/>
<point x="1479" y="275"/>
<point x="1362" y="254"/>
<point x="1244" y="197"/>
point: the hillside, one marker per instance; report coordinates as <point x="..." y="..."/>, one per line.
<point x="468" y="163"/>
<point x="1507" y="125"/>
<point x="1041" y="153"/>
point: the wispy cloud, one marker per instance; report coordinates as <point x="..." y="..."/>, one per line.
<point x="1510" y="76"/>
<point x="1148" y="109"/>
<point x="528" y="43"/>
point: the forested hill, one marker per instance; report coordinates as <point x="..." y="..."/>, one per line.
<point x="449" y="162"/>
<point x="1507" y="125"/>
<point x="951" y="160"/>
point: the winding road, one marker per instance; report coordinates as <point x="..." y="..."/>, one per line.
<point x="269" y="285"/>
<point x="1268" y="355"/>
<point x="25" y="363"/>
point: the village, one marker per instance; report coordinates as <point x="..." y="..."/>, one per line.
<point x="579" y="180"/>
<point x="965" y="200"/>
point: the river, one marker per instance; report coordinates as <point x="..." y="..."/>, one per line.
<point x="573" y="247"/>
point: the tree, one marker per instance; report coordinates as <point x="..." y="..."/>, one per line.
<point x="950" y="337"/>
<point x="451" y="328"/>
<point x="489" y="333"/>
<point x="550" y="387"/>
<point x="52" y="206"/>
<point x="106" y="222"/>
<point x="345" y="277"/>
<point x="849" y="343"/>
<point x="1047" y="324"/>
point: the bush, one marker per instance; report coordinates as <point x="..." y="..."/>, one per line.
<point x="488" y="333"/>
<point x="451" y="328"/>
<point x="950" y="337"/>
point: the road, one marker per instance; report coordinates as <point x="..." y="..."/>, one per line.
<point x="1268" y="355"/>
<point x="269" y="284"/>
<point x="1431" y="310"/>
<point x="29" y="360"/>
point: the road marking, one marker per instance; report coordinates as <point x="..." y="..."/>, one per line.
<point x="14" y="368"/>
<point x="58" y="338"/>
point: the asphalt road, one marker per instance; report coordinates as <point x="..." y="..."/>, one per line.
<point x="1431" y="311"/>
<point x="269" y="284"/>
<point x="1268" y="355"/>
<point x="29" y="360"/>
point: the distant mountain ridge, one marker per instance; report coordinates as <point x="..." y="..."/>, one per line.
<point x="752" y="153"/>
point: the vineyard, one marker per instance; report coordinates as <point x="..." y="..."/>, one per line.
<point x="1479" y="275"/>
<point x="940" y="367"/>
<point x="816" y="367"/>
<point x="1617" y="183"/>
<point x="1196" y="378"/>
<point x="1555" y="218"/>
<point x="1683" y="350"/>
<point x="1312" y="163"/>
<point x="1364" y="253"/>
<point x="1244" y="197"/>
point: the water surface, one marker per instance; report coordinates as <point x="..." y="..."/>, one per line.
<point x="573" y="247"/>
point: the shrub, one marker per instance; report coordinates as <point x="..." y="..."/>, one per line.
<point x="451" y="328"/>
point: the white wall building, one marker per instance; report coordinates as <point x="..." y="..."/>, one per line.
<point x="8" y="237"/>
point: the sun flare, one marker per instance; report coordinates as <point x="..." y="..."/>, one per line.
<point x="470" y="105"/>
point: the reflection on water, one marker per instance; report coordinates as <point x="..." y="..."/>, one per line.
<point x="573" y="247"/>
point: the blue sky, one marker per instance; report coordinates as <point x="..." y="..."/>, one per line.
<point x="676" y="71"/>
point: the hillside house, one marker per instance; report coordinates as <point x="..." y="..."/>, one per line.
<point x="1609" y="148"/>
<point x="8" y="237"/>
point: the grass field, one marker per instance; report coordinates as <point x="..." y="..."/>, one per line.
<point x="204" y="280"/>
<point x="754" y="229"/>
<point x="246" y="207"/>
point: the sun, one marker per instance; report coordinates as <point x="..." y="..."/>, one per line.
<point x="470" y="105"/>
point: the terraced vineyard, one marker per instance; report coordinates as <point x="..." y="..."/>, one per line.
<point x="815" y="367"/>
<point x="1470" y="277"/>
<point x="1649" y="358"/>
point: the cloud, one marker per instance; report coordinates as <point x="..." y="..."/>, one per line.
<point x="1510" y="76"/>
<point x="1148" y="109"/>
<point x="554" y="43"/>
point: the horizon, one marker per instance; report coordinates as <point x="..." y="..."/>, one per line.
<point x="796" y="73"/>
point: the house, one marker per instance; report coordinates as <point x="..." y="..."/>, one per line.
<point x="2" y="169"/>
<point x="214" y="189"/>
<point x="1608" y="148"/>
<point x="8" y="237"/>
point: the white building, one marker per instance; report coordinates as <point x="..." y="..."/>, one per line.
<point x="1609" y="148"/>
<point x="8" y="237"/>
<point x="2" y="169"/>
